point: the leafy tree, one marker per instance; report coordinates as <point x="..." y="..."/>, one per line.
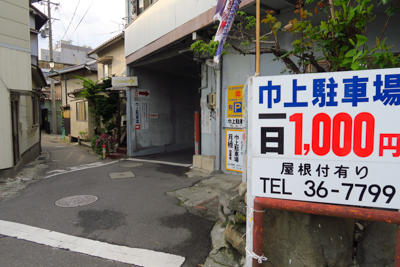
<point x="338" y="41"/>
<point x="102" y="106"/>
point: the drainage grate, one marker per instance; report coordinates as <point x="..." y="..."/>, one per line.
<point x="29" y="166"/>
<point x="76" y="201"/>
<point x="41" y="158"/>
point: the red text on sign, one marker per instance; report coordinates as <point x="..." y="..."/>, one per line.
<point x="339" y="135"/>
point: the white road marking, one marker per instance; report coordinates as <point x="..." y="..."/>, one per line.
<point x="59" y="146"/>
<point x="136" y="256"/>
<point x="78" y="168"/>
<point x="160" y="162"/>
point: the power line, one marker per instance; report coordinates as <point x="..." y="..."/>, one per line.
<point x="76" y="8"/>
<point x="82" y="18"/>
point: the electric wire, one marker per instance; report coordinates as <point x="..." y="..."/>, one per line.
<point x="76" y="8"/>
<point x="82" y="18"/>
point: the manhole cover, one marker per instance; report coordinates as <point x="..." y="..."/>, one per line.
<point x="76" y="201"/>
<point x="41" y="158"/>
<point x="131" y="165"/>
<point x="121" y="175"/>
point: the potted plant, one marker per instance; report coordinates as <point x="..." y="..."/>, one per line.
<point x="83" y="134"/>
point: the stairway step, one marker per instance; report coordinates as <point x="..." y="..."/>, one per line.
<point x="115" y="155"/>
<point x="122" y="150"/>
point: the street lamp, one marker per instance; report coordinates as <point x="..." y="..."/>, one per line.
<point x="51" y="65"/>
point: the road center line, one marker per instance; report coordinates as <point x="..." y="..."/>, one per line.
<point x="136" y="256"/>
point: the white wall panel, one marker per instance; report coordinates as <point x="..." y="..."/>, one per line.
<point x="161" y="18"/>
<point x="14" y="23"/>
<point x="6" y="156"/>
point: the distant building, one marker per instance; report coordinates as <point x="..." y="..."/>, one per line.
<point x="76" y="110"/>
<point x="67" y="53"/>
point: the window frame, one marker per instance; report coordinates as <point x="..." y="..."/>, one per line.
<point x="84" y="105"/>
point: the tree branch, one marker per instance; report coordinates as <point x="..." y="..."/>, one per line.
<point x="315" y="63"/>
<point x="289" y="63"/>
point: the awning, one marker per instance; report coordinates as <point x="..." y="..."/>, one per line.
<point x="27" y="92"/>
<point x="38" y="77"/>
<point x="105" y="60"/>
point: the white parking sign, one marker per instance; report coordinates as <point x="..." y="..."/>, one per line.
<point x="327" y="137"/>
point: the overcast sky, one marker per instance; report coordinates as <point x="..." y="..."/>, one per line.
<point x="103" y="20"/>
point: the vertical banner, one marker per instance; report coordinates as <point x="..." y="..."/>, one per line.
<point x="137" y="115"/>
<point x="234" y="150"/>
<point x="227" y="28"/>
<point x="234" y="103"/>
<point x="145" y="115"/>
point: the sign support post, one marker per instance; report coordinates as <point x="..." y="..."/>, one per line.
<point x="318" y="209"/>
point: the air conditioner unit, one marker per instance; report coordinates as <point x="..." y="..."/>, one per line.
<point x="123" y="120"/>
<point x="211" y="101"/>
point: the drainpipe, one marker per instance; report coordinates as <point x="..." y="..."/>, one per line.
<point x="206" y="71"/>
<point x="128" y="121"/>
<point x="218" y="118"/>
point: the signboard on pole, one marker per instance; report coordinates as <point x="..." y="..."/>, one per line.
<point x="124" y="81"/>
<point x="234" y="150"/>
<point x="205" y="117"/>
<point x="145" y="115"/>
<point x="137" y="115"/>
<point x="234" y="113"/>
<point x="327" y="137"/>
<point x="142" y="93"/>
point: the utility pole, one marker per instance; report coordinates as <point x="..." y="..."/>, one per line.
<point x="52" y="90"/>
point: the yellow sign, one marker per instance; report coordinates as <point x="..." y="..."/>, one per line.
<point x="234" y="106"/>
<point x="235" y="94"/>
<point x="124" y="81"/>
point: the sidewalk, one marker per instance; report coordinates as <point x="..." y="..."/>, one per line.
<point x="202" y="198"/>
<point x="32" y="172"/>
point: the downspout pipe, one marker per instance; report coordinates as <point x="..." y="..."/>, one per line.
<point x="128" y="116"/>
<point x="218" y="117"/>
<point x="202" y="69"/>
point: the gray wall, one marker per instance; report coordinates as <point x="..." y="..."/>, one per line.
<point x="236" y="69"/>
<point x="175" y="99"/>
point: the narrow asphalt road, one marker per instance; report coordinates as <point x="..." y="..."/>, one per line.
<point x="133" y="212"/>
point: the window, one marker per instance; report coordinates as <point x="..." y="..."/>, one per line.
<point x="47" y="57"/>
<point x="58" y="59"/>
<point x="143" y="4"/>
<point x="106" y="70"/>
<point x="82" y="111"/>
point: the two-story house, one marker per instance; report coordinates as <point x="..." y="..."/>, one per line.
<point x="20" y="82"/>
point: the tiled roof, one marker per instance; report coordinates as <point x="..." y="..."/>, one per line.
<point x="91" y="65"/>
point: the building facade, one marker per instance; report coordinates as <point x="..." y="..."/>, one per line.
<point x="161" y="57"/>
<point x="67" y="53"/>
<point x="75" y="108"/>
<point x="20" y="85"/>
<point x="110" y="63"/>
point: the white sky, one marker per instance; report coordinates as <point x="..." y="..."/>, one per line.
<point x="103" y="20"/>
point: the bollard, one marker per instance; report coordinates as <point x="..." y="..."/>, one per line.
<point x="104" y="151"/>
<point x="79" y="141"/>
